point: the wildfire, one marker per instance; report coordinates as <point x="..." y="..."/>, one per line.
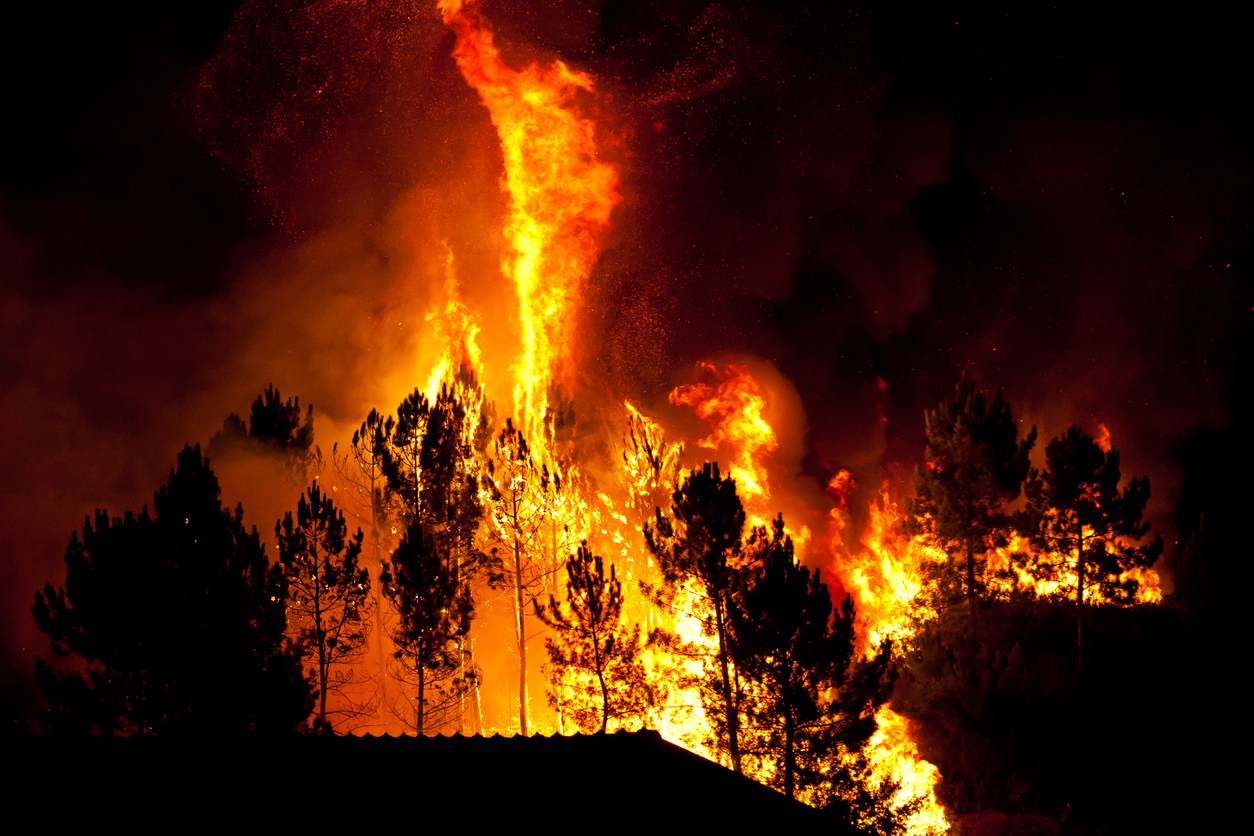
<point x="561" y="198"/>
<point x="894" y="755"/>
<point x="885" y="575"/>
<point x="734" y="406"/>
<point x="561" y="195"/>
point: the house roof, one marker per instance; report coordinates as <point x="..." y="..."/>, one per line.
<point x="580" y="783"/>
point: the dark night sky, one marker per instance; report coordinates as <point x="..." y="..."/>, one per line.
<point x="195" y="202"/>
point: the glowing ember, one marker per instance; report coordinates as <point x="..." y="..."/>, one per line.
<point x="1103" y="438"/>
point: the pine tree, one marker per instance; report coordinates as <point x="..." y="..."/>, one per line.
<point x="810" y="704"/>
<point x="274" y="427"/>
<point x="564" y="525"/>
<point x="522" y="497"/>
<point x="451" y="457"/>
<point x="698" y="546"/>
<point x="435" y="609"/>
<point x="402" y="458"/>
<point x="452" y="460"/>
<point x="595" y="670"/>
<point x="328" y="604"/>
<point x="360" y="470"/>
<point x="976" y="464"/>
<point x="180" y="618"/>
<point x="432" y="462"/>
<point x="1076" y="510"/>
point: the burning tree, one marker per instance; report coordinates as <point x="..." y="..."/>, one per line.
<point x="596" y="673"/>
<point x="1076" y="510"/>
<point x="328" y="594"/>
<point x="976" y="464"/>
<point x="522" y="499"/>
<point x="564" y="527"/>
<point x="650" y="467"/>
<point x="434" y="608"/>
<point x="699" y="550"/>
<point x="180" y="618"/>
<point x="810" y="706"/>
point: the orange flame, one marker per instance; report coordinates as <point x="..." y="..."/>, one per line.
<point x="884" y="576"/>
<point x="561" y="195"/>
<point x="894" y="755"/>
<point x="735" y="409"/>
<point x="457" y="328"/>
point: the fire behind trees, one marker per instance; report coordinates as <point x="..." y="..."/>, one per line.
<point x="329" y="606"/>
<point x="596" y="668"/>
<point x="787" y="698"/>
<point x="428" y="590"/>
<point x="975" y="467"/>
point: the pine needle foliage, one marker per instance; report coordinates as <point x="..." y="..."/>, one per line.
<point x="329" y="605"/>
<point x="434" y="609"/>
<point x="595" y="670"/>
<point x="809" y="704"/>
<point x="976" y="464"/>
<point x="699" y="549"/>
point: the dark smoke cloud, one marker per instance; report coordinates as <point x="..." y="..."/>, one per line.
<point x="201" y="202"/>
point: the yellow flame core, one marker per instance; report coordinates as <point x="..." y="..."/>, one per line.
<point x="457" y="329"/>
<point x="894" y="756"/>
<point x="561" y="196"/>
<point x="885" y="576"/>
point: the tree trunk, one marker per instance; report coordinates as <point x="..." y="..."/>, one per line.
<point x="476" y="705"/>
<point x="322" y="642"/>
<point x="422" y="698"/>
<point x="790" y="758"/>
<point x="730" y="708"/>
<point x="522" y="639"/>
<point x="605" y="694"/>
<point x="1079" y="591"/>
<point x="384" y="706"/>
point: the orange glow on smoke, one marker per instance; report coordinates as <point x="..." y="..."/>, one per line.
<point x="561" y="196"/>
